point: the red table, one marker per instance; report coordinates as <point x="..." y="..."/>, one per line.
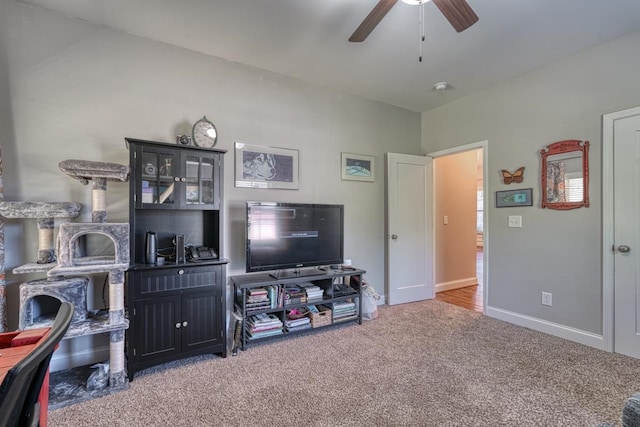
<point x="15" y="346"/>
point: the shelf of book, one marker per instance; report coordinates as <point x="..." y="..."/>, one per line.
<point x="273" y="308"/>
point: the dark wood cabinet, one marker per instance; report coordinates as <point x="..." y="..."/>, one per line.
<point x="155" y="335"/>
<point x="173" y="326"/>
<point x="196" y="319"/>
<point x="175" y="179"/>
<point x="176" y="307"/>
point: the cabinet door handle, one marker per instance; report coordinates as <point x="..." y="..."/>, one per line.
<point x="185" y="324"/>
<point x="178" y="325"/>
<point x="176" y="178"/>
<point x="180" y="271"/>
<point x="183" y="179"/>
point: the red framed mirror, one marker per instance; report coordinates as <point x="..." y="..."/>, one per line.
<point x="565" y="175"/>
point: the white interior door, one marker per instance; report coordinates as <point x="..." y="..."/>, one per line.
<point x="409" y="228"/>
<point x="626" y="205"/>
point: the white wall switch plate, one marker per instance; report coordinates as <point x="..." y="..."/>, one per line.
<point x="445" y="219"/>
<point x="515" y="221"/>
<point x="547" y="298"/>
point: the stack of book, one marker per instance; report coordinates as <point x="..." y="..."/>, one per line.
<point x="294" y="295"/>
<point x="257" y="299"/>
<point x="264" y="325"/>
<point x="343" y="310"/>
<point x="314" y="293"/>
<point x="275" y="295"/>
<point x="297" y="320"/>
<point x="299" y="324"/>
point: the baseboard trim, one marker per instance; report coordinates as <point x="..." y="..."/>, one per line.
<point x="89" y="356"/>
<point x="551" y="328"/>
<point x="456" y="284"/>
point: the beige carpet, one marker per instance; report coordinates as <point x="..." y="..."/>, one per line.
<point x="419" y="364"/>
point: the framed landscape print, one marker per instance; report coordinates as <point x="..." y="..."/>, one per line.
<point x="265" y="167"/>
<point x="512" y="198"/>
<point x="358" y="167"/>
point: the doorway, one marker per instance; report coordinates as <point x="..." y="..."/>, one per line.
<point x="460" y="226"/>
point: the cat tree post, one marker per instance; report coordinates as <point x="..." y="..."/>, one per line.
<point x="99" y="195"/>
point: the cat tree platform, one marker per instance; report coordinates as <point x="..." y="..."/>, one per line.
<point x="45" y="213"/>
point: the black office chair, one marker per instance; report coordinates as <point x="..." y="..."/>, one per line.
<point x="21" y="386"/>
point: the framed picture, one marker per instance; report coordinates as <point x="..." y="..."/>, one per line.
<point x="512" y="198"/>
<point x="357" y="167"/>
<point x="265" y="167"/>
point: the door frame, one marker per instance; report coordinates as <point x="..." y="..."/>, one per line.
<point x="608" y="274"/>
<point x="484" y="145"/>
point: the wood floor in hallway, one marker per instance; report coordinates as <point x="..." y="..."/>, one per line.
<point x="469" y="297"/>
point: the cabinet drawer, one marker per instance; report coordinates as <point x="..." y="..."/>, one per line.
<point x="175" y="279"/>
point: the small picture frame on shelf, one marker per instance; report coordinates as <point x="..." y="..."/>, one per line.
<point x="513" y="198"/>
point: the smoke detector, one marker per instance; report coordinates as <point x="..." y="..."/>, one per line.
<point x="441" y="86"/>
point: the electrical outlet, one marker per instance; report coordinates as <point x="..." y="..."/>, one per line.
<point x="547" y="298"/>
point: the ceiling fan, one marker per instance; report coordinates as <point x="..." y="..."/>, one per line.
<point x="457" y="12"/>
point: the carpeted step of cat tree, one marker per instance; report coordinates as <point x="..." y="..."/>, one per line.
<point x="85" y="170"/>
<point x="45" y="213"/>
<point x="39" y="209"/>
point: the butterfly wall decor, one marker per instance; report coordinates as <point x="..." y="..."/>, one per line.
<point x="517" y="176"/>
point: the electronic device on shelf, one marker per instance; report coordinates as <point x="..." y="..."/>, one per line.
<point x="342" y="289"/>
<point x="201" y="253"/>
<point x="180" y="248"/>
<point x="293" y="236"/>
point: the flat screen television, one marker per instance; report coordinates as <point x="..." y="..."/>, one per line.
<point x="284" y="236"/>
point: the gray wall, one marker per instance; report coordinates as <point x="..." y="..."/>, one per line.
<point x="72" y="89"/>
<point x="555" y="251"/>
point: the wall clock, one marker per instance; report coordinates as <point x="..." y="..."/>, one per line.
<point x="204" y="133"/>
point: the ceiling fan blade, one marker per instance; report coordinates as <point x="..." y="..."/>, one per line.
<point x="373" y="18"/>
<point x="458" y="13"/>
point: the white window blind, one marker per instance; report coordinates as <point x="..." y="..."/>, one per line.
<point x="479" y="210"/>
<point x="574" y="189"/>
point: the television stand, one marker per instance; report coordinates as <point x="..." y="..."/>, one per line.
<point x="269" y="307"/>
<point x="304" y="272"/>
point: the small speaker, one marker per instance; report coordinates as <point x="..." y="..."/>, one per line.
<point x="151" y="247"/>
<point x="180" y="249"/>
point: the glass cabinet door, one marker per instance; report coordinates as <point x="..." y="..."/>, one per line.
<point x="200" y="181"/>
<point x="158" y="182"/>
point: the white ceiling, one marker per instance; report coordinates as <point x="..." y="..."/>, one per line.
<point x="308" y="39"/>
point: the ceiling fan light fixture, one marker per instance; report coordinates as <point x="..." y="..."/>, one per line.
<point x="457" y="12"/>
